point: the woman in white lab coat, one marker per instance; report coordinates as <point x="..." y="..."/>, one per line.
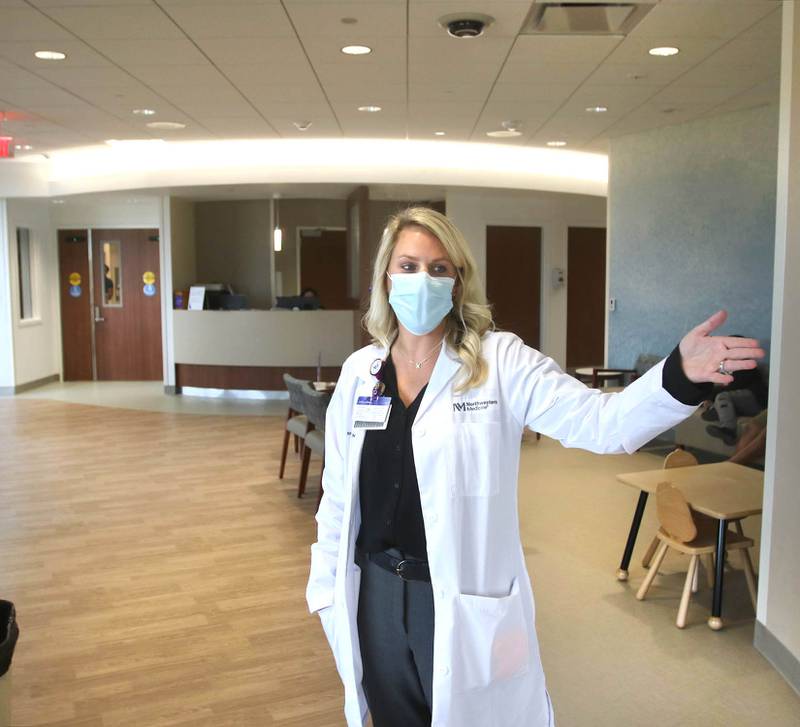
<point x="451" y="397"/>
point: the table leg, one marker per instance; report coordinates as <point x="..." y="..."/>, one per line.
<point x="715" y="621"/>
<point x="622" y="573"/>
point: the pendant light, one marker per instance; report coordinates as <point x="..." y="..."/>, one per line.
<point x="277" y="234"/>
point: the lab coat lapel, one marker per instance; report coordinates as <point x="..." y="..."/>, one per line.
<point x="446" y="367"/>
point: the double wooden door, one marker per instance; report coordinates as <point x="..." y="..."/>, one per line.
<point x="110" y="305"/>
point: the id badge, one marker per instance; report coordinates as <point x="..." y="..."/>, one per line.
<point x="369" y="413"/>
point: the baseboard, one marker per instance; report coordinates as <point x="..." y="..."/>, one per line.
<point x="19" y="388"/>
<point x="786" y="663"/>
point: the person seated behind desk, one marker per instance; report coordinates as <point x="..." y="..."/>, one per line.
<point x="745" y="396"/>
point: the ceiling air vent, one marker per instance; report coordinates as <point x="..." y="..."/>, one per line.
<point x="584" y="18"/>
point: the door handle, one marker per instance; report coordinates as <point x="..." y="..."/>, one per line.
<point x="97" y="317"/>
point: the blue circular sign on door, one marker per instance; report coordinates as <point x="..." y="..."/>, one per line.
<point x="75" y="291"/>
<point x="149" y="290"/>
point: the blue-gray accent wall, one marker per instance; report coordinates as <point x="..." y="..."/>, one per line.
<point x="691" y="230"/>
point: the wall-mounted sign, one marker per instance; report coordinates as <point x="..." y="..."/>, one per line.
<point x="149" y="290"/>
<point x="75" y="291"/>
<point x="74" y="278"/>
<point x="149" y="278"/>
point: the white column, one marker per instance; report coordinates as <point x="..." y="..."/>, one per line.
<point x="777" y="633"/>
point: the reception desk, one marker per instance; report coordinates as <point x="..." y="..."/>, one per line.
<point x="251" y="349"/>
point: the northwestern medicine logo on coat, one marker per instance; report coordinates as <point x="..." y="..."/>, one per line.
<point x="470" y="406"/>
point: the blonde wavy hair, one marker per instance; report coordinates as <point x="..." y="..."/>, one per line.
<point x="470" y="316"/>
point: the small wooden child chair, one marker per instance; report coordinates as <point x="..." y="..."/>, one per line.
<point x="693" y="534"/>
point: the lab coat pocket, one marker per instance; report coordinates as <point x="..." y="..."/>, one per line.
<point x="477" y="459"/>
<point x="492" y="640"/>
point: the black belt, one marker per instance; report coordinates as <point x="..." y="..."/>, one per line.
<point x="407" y="569"/>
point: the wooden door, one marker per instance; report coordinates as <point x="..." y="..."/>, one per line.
<point x="513" y="279"/>
<point x="586" y="296"/>
<point x="323" y="266"/>
<point x="127" y="305"/>
<point x="76" y="306"/>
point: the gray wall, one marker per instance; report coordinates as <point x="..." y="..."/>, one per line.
<point x="184" y="253"/>
<point x="233" y="241"/>
<point x="294" y="213"/>
<point x="691" y="230"/>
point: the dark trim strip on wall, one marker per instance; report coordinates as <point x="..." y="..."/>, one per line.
<point x="259" y="378"/>
<point x="784" y="661"/>
<point x="19" y="388"/>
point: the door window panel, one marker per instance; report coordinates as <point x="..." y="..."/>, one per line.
<point x="112" y="274"/>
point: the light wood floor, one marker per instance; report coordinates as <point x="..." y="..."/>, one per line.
<point x="158" y="568"/>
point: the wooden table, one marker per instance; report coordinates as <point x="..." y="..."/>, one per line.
<point x="724" y="491"/>
<point x="598" y="376"/>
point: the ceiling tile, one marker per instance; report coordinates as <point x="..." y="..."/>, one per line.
<point x="709" y="19"/>
<point x="262" y="20"/>
<point x="541" y="50"/>
<point x="119" y="21"/>
<point x="75" y="78"/>
<point x="255" y="128"/>
<point x="635" y="74"/>
<point x="246" y="75"/>
<point x="555" y="73"/>
<point x="260" y="93"/>
<point x="294" y="109"/>
<point x="356" y="93"/>
<point x="200" y="74"/>
<point x="279" y="53"/>
<point x="338" y="74"/>
<point x="26" y="23"/>
<point x="677" y="96"/>
<point x="447" y="90"/>
<point x="151" y="52"/>
<point x="375" y="20"/>
<point x="29" y="97"/>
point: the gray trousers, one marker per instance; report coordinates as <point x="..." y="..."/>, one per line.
<point x="733" y="404"/>
<point x="395" y="630"/>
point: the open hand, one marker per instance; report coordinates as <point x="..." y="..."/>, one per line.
<point x="702" y="353"/>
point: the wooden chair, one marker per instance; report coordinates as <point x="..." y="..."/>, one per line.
<point x="677" y="458"/>
<point x="296" y="419"/>
<point x="695" y="535"/>
<point x="316" y="406"/>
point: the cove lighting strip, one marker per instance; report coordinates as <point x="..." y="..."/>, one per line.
<point x="147" y="164"/>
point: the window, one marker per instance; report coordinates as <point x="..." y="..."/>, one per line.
<point x="112" y="274"/>
<point x="25" y="273"/>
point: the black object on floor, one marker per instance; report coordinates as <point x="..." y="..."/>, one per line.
<point x="9" y="633"/>
<point x="726" y="435"/>
<point x="710" y="415"/>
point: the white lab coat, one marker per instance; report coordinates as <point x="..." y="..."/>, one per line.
<point x="486" y="666"/>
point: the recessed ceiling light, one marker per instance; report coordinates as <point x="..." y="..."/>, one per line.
<point x="439" y="133"/>
<point x="356" y="50"/>
<point x="23" y="147"/>
<point x="369" y="109"/>
<point x="556" y="143"/>
<point x="50" y="55"/>
<point x="504" y="133"/>
<point x="144" y="112"/>
<point x="165" y="125"/>
<point x="597" y="109"/>
<point x="664" y="51"/>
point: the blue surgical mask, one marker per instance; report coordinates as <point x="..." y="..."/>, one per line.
<point x="419" y="301"/>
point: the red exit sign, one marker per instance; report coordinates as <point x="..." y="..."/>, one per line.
<point x="6" y="150"/>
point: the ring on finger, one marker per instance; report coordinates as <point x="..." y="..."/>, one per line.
<point x="723" y="370"/>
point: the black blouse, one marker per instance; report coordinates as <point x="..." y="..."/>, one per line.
<point x="391" y="512"/>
